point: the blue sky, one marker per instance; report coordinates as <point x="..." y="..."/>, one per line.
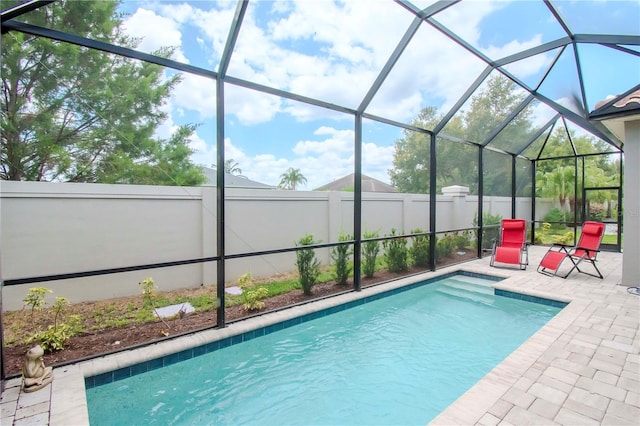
<point x="333" y="51"/>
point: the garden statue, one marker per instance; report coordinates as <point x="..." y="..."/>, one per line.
<point x="35" y="375"/>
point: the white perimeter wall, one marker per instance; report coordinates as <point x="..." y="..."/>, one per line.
<point x="58" y="228"/>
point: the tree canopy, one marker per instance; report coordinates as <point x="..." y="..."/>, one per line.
<point x="556" y="177"/>
<point x="81" y="115"/>
<point x="457" y="163"/>
<point x="458" y="146"/>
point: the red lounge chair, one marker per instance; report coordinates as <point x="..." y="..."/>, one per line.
<point x="512" y="247"/>
<point x="586" y="251"/>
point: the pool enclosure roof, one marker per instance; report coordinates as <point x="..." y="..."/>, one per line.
<point x="387" y="60"/>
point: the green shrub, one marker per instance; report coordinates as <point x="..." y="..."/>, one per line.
<point x="555" y="215"/>
<point x="340" y="255"/>
<point x="148" y="292"/>
<point x="252" y="299"/>
<point x="396" y="253"/>
<point x="444" y="246"/>
<point x="569" y="217"/>
<point x="52" y="338"/>
<point x="419" y="250"/>
<point x="489" y="230"/>
<point x="35" y="298"/>
<point x="597" y="212"/>
<point x="370" y="250"/>
<point x="56" y="335"/>
<point x="461" y="240"/>
<point x="567" y="238"/>
<point x="308" y="264"/>
<point x="245" y="280"/>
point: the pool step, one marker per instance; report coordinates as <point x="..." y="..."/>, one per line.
<point x="471" y="284"/>
<point x="473" y="280"/>
<point x="474" y="296"/>
<point x="468" y="288"/>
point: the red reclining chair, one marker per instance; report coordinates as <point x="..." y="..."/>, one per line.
<point x="512" y="247"/>
<point x="586" y="251"/>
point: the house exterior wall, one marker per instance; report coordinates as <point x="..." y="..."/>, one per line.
<point x="58" y="228"/>
<point x="631" y="252"/>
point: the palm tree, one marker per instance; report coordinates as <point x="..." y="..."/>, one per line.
<point x="291" y="178"/>
<point x="559" y="183"/>
<point x="231" y="167"/>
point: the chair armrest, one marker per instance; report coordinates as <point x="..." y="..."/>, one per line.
<point x="562" y="245"/>
<point x="588" y="250"/>
<point x="559" y="247"/>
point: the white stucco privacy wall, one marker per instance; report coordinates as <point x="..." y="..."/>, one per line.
<point x="59" y="228"/>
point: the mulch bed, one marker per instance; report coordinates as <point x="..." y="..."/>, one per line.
<point x="93" y="344"/>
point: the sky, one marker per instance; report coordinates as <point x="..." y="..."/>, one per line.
<point x="334" y="50"/>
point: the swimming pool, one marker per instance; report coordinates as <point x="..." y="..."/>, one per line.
<point x="399" y="359"/>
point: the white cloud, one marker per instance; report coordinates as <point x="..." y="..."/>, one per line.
<point x="155" y="31"/>
<point x="203" y="154"/>
<point x="196" y="93"/>
<point x="466" y="19"/>
<point x="338" y="142"/>
<point x="250" y="106"/>
<point x="321" y="161"/>
<point x="377" y="160"/>
<point x="334" y="56"/>
<point x="432" y="71"/>
<point x="512" y="47"/>
<point x="542" y="114"/>
<point x="526" y="67"/>
<point x="180" y="13"/>
<point x="329" y="50"/>
<point x="305" y="112"/>
<point x="265" y="168"/>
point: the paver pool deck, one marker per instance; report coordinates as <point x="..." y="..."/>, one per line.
<point x="581" y="368"/>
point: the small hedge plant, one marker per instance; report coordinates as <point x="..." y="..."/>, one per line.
<point x="341" y="257"/>
<point x="396" y="253"/>
<point x="308" y="264"/>
<point x="370" y="250"/>
<point x="251" y="296"/>
<point x="419" y="250"/>
<point x="56" y="335"/>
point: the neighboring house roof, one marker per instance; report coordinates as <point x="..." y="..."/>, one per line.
<point x="234" y="181"/>
<point x="629" y="104"/>
<point x="614" y="112"/>
<point x="346" y="183"/>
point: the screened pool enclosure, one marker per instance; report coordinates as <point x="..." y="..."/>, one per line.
<point x="469" y="111"/>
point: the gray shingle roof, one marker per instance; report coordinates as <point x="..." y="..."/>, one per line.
<point x="346" y="183"/>
<point x="234" y="181"/>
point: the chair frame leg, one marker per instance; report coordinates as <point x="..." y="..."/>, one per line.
<point x="593" y="262"/>
<point x="493" y="254"/>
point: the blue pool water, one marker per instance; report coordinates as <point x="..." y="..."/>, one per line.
<point x="401" y="359"/>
